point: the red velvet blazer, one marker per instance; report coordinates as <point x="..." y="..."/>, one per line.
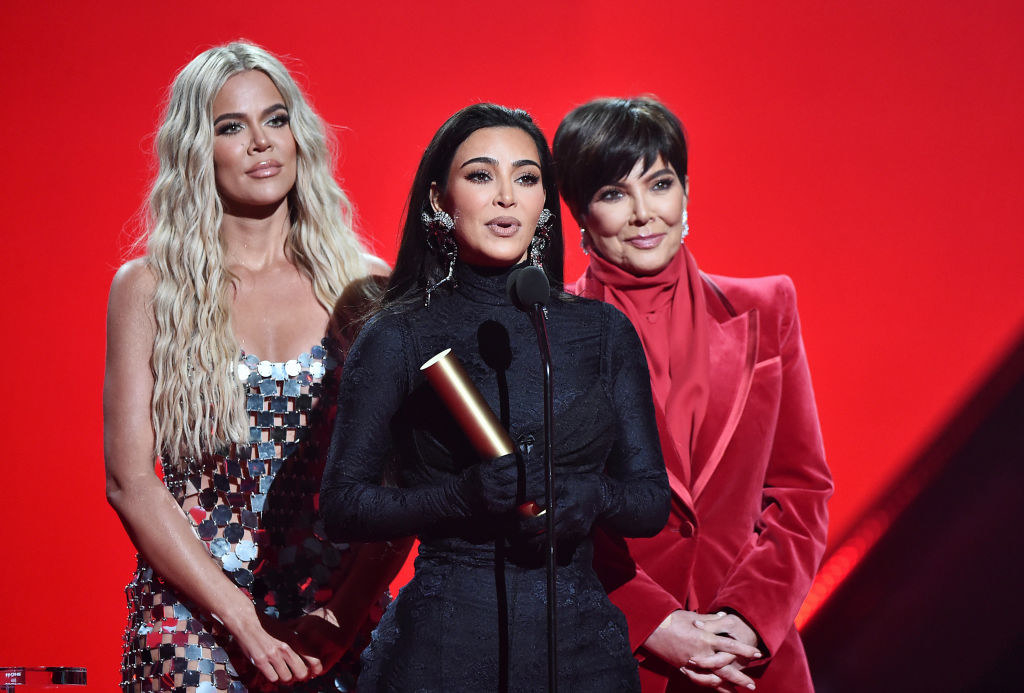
<point x="749" y="516"/>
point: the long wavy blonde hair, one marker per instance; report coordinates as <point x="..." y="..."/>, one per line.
<point x="197" y="397"/>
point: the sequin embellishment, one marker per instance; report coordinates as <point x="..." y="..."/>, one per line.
<point x="255" y="508"/>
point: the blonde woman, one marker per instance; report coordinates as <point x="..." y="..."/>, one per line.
<point x="217" y="361"/>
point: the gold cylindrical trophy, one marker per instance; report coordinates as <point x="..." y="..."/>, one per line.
<point x="475" y="418"/>
<point x="467" y="405"/>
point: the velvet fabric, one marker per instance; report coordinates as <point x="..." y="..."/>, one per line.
<point x="749" y="515"/>
<point x="664" y="309"/>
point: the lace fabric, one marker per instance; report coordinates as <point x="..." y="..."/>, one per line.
<point x="473" y="618"/>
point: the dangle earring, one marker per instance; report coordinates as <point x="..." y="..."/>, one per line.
<point x="686" y="226"/>
<point x="541" y="237"/>
<point x="441" y="239"/>
<point x="583" y="241"/>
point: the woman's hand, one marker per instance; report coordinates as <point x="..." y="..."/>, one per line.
<point x="319" y="634"/>
<point x="491" y="485"/>
<point x="727" y="625"/>
<point x="270" y="646"/>
<point x="732" y="625"/>
<point x="687" y="640"/>
<point x="578" y="502"/>
<point x="330" y="631"/>
<point x="723" y="680"/>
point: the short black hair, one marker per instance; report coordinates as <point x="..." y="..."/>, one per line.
<point x="600" y="142"/>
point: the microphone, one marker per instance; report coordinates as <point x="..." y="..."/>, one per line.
<point x="529" y="289"/>
<point x="528" y="286"/>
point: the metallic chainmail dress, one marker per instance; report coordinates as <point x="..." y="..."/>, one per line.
<point x="255" y="508"/>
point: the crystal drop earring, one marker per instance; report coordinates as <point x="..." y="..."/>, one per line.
<point x="541" y="237"/>
<point x="440" y="229"/>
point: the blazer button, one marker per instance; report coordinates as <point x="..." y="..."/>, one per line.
<point x="686" y="529"/>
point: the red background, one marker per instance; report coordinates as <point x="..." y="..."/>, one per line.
<point x="870" y="150"/>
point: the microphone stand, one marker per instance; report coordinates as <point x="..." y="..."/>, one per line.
<point x="537" y="317"/>
<point x="528" y="289"/>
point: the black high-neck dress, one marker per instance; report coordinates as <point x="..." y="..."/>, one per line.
<point x="473" y="617"/>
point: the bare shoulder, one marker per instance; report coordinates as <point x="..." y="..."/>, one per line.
<point x="133" y="278"/>
<point x="131" y="293"/>
<point x="376" y="266"/>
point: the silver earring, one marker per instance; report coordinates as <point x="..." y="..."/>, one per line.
<point x="686" y="227"/>
<point x="541" y="237"/>
<point x="583" y="241"/>
<point x="441" y="238"/>
<point x="437" y="223"/>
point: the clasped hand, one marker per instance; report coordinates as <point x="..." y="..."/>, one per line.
<point x="579" y="500"/>
<point x="691" y="642"/>
<point x="504" y="484"/>
<point x="492" y="486"/>
<point x="308" y="646"/>
<point x="269" y="645"/>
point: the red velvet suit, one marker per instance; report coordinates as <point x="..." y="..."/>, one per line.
<point x="749" y="518"/>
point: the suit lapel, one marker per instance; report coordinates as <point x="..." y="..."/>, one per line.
<point x="733" y="346"/>
<point x="678" y="479"/>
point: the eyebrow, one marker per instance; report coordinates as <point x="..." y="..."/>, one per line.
<point x="494" y="162"/>
<point x="266" y="111"/>
<point x="658" y="173"/>
<point x="645" y="177"/>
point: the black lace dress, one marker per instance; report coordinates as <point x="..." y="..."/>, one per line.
<point x="473" y="617"/>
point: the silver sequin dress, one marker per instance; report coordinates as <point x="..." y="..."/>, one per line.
<point x="255" y="508"/>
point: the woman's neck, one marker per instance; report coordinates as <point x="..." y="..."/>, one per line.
<point x="256" y="241"/>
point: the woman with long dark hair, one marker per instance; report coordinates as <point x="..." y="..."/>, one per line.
<point x="218" y="361"/>
<point x="473" y="618"/>
<point x="711" y="599"/>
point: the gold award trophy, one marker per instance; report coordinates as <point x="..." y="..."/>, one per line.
<point x="467" y="405"/>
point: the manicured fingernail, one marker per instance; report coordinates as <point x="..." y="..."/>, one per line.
<point x="683" y="669"/>
<point x="699" y="624"/>
<point x="757" y="653"/>
<point x="690" y="661"/>
<point x="720" y="613"/>
<point x="751" y="686"/>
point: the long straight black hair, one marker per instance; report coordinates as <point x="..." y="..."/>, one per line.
<point x="417" y="266"/>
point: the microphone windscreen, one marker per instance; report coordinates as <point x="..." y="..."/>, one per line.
<point x="528" y="286"/>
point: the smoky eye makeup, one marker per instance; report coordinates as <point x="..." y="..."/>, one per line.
<point x="609" y="194"/>
<point x="228" y="127"/>
<point x="478" y="176"/>
<point x="279" y="119"/>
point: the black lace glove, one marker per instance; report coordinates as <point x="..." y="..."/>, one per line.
<point x="579" y="500"/>
<point x="491" y="486"/>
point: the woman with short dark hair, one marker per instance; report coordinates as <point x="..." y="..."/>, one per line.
<point x="735" y="410"/>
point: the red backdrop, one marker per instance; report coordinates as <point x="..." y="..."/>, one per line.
<point x="871" y="150"/>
